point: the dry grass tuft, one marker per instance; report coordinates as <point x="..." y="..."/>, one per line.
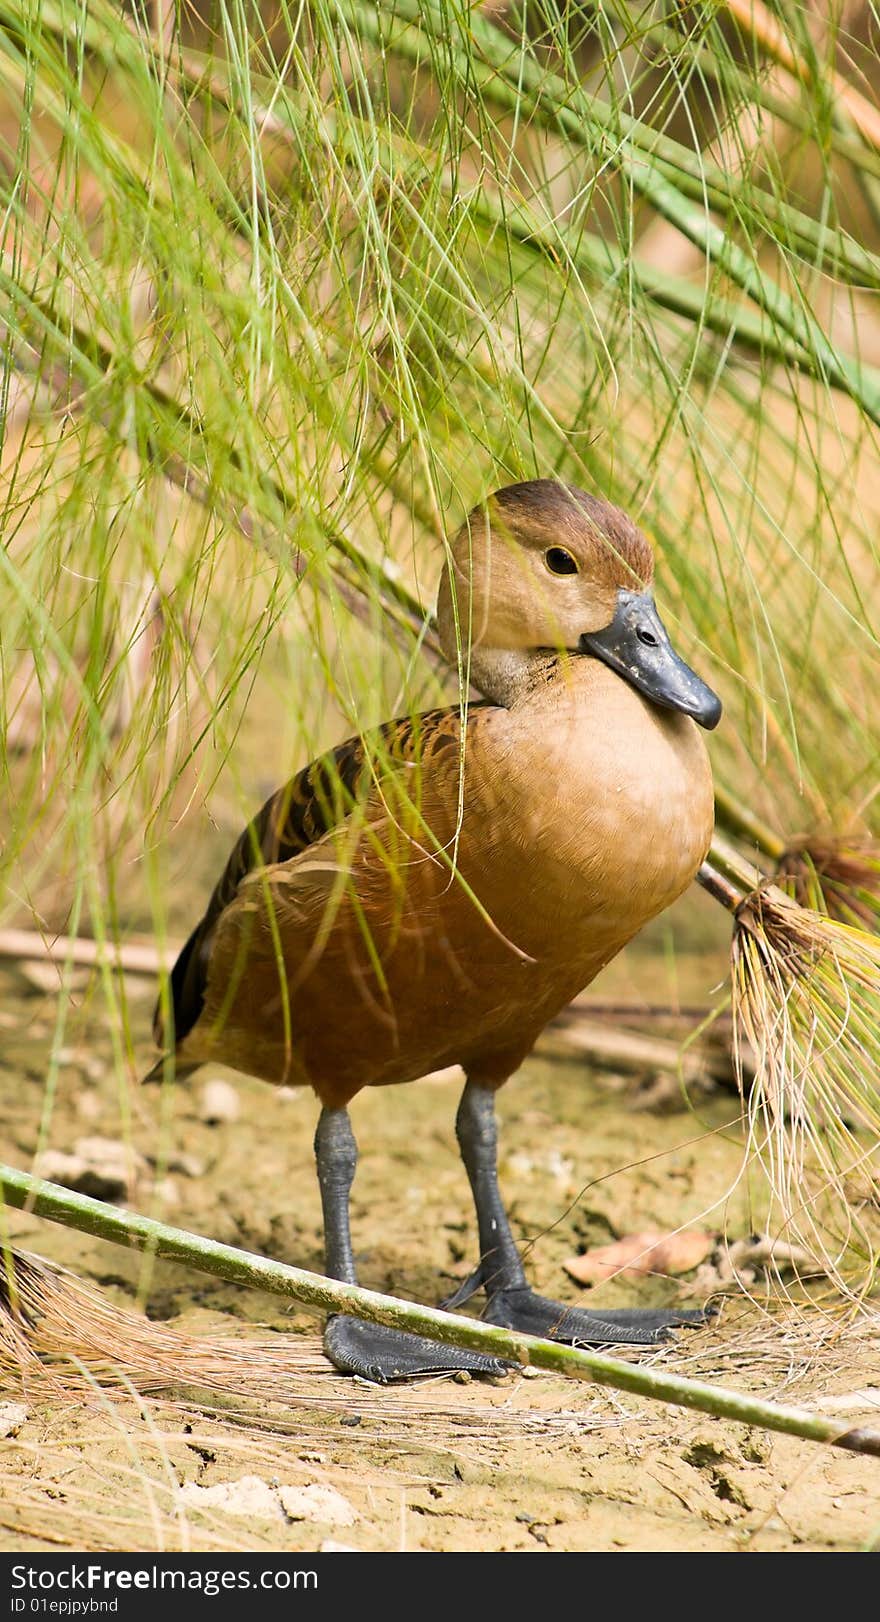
<point x="837" y="875"/>
<point x="806" y="993"/>
<point x="60" y="1337"/>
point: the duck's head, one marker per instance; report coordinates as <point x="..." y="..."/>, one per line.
<point x="540" y="568"/>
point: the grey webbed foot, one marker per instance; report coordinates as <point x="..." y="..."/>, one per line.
<point x="536" y="1315"/>
<point x="659" y="1318"/>
<point x="383" y="1355"/>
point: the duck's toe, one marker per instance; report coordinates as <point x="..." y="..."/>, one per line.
<point x="383" y="1355"/>
<point x="660" y="1319"/>
<point x="534" y="1314"/>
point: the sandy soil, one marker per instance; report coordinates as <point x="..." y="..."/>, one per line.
<point x="538" y="1463"/>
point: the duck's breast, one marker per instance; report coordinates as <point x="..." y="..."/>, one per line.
<point x="600" y="803"/>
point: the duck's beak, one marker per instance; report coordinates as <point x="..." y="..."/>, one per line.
<point x="636" y="644"/>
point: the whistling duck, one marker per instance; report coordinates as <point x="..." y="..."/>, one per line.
<point x="434" y="893"/>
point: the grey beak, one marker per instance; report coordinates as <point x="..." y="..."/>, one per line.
<point x="636" y="644"/>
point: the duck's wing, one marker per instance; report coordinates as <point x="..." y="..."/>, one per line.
<point x="318" y="799"/>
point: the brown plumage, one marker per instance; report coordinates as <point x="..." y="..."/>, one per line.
<point x="434" y="893"/>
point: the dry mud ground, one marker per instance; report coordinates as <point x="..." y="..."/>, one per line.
<point x="524" y="1464"/>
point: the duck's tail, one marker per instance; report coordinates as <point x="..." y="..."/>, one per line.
<point x="174" y="1069"/>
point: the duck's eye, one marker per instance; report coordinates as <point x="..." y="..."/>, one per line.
<point x="559" y="561"/>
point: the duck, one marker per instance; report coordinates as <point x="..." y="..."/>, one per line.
<point x="433" y="893"/>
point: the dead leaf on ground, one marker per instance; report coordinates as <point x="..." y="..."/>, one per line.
<point x="744" y="1261"/>
<point x="640" y="1253"/>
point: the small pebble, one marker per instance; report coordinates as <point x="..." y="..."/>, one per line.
<point x="350" y="1419"/>
<point x="12" y="1416"/>
<point x="103" y="1167"/>
<point x="250" y="1497"/>
<point x="219" y="1103"/>
<point x="253" y="1498"/>
<point x="89" y="1106"/>
<point x="189" y="1165"/>
<point x="50" y="976"/>
<point x="317" y="1502"/>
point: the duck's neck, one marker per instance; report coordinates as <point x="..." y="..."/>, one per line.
<point x="507" y="676"/>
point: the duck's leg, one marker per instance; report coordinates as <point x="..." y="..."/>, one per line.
<point x="511" y="1301"/>
<point x="367" y="1349"/>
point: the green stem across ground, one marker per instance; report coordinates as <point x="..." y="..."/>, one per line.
<point x="142" y="1233"/>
